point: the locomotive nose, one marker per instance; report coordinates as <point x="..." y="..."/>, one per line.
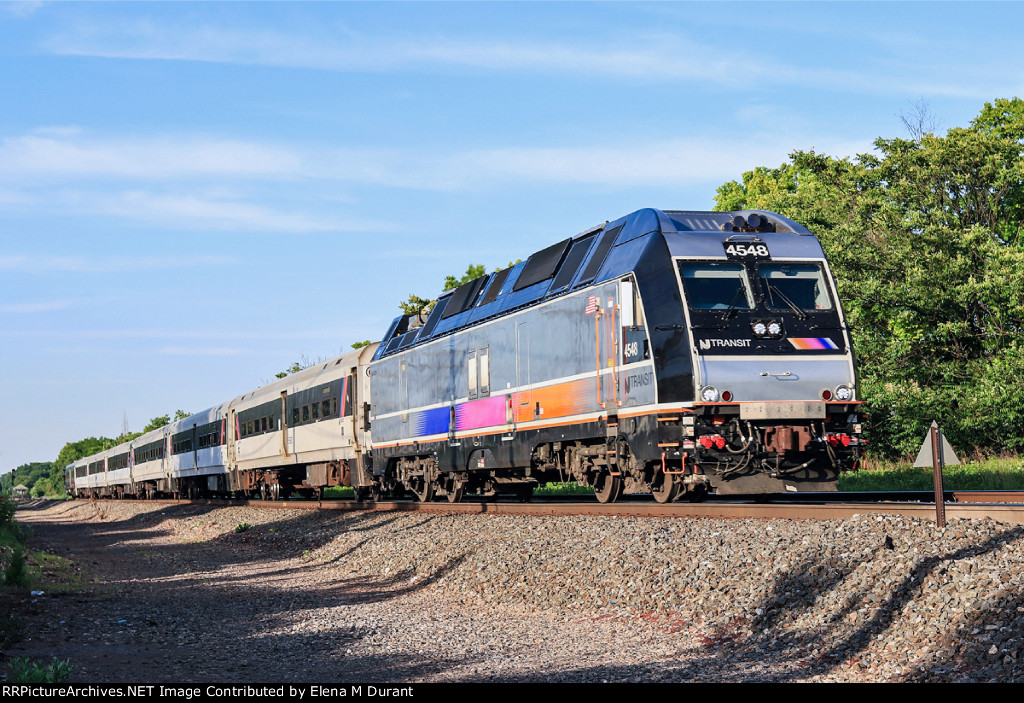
<point x="767" y="380"/>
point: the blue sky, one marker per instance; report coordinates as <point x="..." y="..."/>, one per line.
<point x="195" y="195"/>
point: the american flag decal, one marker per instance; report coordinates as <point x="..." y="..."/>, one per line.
<point x="591" y="305"/>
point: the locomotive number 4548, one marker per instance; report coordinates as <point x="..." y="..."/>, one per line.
<point x="746" y="250"/>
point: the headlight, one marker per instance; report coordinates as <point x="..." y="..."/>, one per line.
<point x="759" y="329"/>
<point x="774" y="328"/>
<point x="709" y="394"/>
<point x="844" y="393"/>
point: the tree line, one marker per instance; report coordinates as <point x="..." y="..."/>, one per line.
<point x="47" y="478"/>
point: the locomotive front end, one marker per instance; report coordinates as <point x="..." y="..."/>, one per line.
<point x="775" y="404"/>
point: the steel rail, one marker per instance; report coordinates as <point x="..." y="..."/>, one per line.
<point x="1001" y="512"/>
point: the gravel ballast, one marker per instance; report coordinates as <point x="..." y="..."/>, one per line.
<point x="177" y="594"/>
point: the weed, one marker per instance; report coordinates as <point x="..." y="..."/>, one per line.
<point x="12" y="629"/>
<point x="16" y="573"/>
<point x="242" y="527"/>
<point x="7" y="508"/>
<point x="24" y="670"/>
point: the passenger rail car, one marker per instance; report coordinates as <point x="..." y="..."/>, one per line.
<point x="667" y="352"/>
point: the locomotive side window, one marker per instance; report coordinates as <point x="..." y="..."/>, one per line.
<point x="485" y="371"/>
<point x="716" y="286"/>
<point x="803" y="285"/>
<point x="471" y="375"/>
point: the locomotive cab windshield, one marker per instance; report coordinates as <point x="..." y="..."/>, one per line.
<point x="774" y="392"/>
<point x="794" y="287"/>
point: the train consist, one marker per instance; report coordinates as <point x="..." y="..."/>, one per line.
<point x="670" y="353"/>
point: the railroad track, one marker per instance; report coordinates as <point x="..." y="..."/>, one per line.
<point x="1002" y="506"/>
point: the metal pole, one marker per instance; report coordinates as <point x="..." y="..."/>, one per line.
<point x="940" y="505"/>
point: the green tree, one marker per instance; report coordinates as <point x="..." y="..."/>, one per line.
<point x="73" y="451"/>
<point x="37" y="473"/>
<point x="156" y="423"/>
<point x="415" y="305"/>
<point x="924" y="240"/>
<point x="473" y="272"/>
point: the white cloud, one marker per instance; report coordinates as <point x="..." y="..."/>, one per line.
<point x="660" y="57"/>
<point x="231" y="185"/>
<point x="31" y="308"/>
<point x="68" y="153"/>
<point x="198" y="210"/>
<point x="22" y="8"/>
<point x="643" y="163"/>
<point x="205" y="182"/>
<point x="106" y="264"/>
<point x="203" y="351"/>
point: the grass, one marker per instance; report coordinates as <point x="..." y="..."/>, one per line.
<point x="54" y="574"/>
<point x="980" y="474"/>
<point x="563" y="489"/>
<point x="24" y="670"/>
<point x="24" y="568"/>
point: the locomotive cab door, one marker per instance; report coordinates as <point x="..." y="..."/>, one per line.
<point x="607" y="362"/>
<point x="522" y="401"/>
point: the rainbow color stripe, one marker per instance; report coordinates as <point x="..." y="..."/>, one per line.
<point x="556" y="400"/>
<point x="810" y="343"/>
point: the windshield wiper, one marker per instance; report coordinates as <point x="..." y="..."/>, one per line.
<point x="731" y="310"/>
<point x="793" y="306"/>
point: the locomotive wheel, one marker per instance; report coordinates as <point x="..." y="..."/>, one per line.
<point x="608" y="488"/>
<point x="667" y="490"/>
<point x="455" y="491"/>
<point x="423" y="490"/>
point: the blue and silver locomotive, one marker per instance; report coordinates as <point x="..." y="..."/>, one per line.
<point x="672" y="353"/>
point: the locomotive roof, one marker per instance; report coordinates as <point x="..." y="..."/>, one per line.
<point x="595" y="255"/>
